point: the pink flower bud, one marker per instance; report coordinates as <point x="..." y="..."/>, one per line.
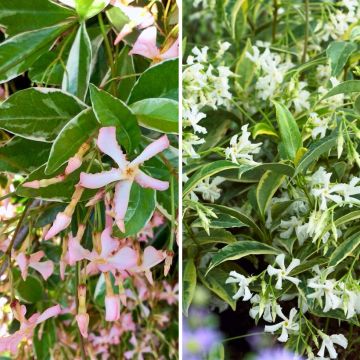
<point x="32" y="184"/>
<point x="83" y="323"/>
<point x="61" y="222"/>
<point x="112" y="306"/>
<point x="73" y="164"/>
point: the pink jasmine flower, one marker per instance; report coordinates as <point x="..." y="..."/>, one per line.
<point x="63" y="219"/>
<point x="151" y="257"/>
<point x="140" y="348"/>
<point x="82" y="317"/>
<point x="112" y="307"/>
<point x="145" y="45"/>
<point x="126" y="173"/>
<point x="139" y="17"/>
<point x="45" y="268"/>
<point x="170" y="294"/>
<point x="27" y="326"/>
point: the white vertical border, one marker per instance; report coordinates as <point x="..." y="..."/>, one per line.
<point x="180" y="230"/>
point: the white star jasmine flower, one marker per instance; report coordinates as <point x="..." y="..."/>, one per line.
<point x="209" y="188"/>
<point x="328" y="344"/>
<point x="241" y="149"/>
<point x="289" y="227"/>
<point x="283" y="272"/>
<point x="263" y="307"/>
<point x="288" y="325"/>
<point x="320" y="125"/>
<point x="244" y="282"/>
<point x="348" y="190"/>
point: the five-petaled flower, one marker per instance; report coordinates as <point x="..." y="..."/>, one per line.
<point x="126" y="173"/>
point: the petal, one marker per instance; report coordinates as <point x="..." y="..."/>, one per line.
<point x="121" y="202"/>
<point x="280" y="260"/>
<point x="147" y="181"/>
<point x="272" y="271"/>
<point x="172" y="52"/>
<point x="145" y="44"/>
<point x="273" y="328"/>
<point x="126" y="30"/>
<point x="108" y="244"/>
<point x="152" y="257"/>
<point x="151" y="150"/>
<point x="76" y="251"/>
<point x="108" y="144"/>
<point x="284" y="335"/>
<point x="48" y="313"/>
<point x="112" y="308"/>
<point x="339" y="339"/>
<point x="23" y="263"/>
<point x="62" y="221"/>
<point x="124" y="259"/>
<point x="294" y="263"/>
<point x="36" y="257"/>
<point x="45" y="268"/>
<point x="95" y="181"/>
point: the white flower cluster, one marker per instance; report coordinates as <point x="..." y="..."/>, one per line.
<point x="337" y="295"/>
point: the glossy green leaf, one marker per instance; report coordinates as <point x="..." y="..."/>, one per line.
<point x="117" y="18"/>
<point x="345" y="249"/>
<point x="239" y="250"/>
<point x="266" y="189"/>
<point x="19" y="52"/>
<point x="245" y="68"/>
<point x="357" y="104"/>
<point x="141" y="207"/>
<point x="31" y="290"/>
<point x="159" y="81"/>
<point x="61" y="191"/>
<point x="89" y="8"/>
<point x="22" y="156"/>
<point x="215" y="281"/>
<point x="44" y="340"/>
<point x="234" y="11"/>
<point x="18" y="16"/>
<point x="189" y="284"/>
<point x="289" y="131"/>
<point x="77" y="75"/>
<point x="316" y="149"/>
<point x="207" y="171"/>
<point x="158" y="114"/>
<point x="38" y="113"/>
<point x="346" y="87"/>
<point x="254" y="173"/>
<point x="222" y="221"/>
<point x="71" y="137"/>
<point x="217" y="352"/>
<point x="216" y="236"/>
<point x="338" y="53"/>
<point x="111" y="111"/>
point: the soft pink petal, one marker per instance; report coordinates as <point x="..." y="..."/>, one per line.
<point x="151" y="150"/>
<point x="152" y="257"/>
<point x="172" y="52"/>
<point x="124" y="259"/>
<point x="121" y="202"/>
<point x="45" y="268"/>
<point x="126" y="30"/>
<point x="145" y="44"/>
<point x="76" y="251"/>
<point x="73" y="164"/>
<point x="108" y="144"/>
<point x="23" y="263"/>
<point x="83" y="323"/>
<point x="61" y="222"/>
<point x="95" y="181"/>
<point x="112" y="307"/>
<point x="10" y="343"/>
<point x="48" y="313"/>
<point x="108" y="244"/>
<point x="147" y="181"/>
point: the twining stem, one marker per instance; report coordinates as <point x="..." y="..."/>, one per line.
<point x="306" y="39"/>
<point x="275" y="19"/>
<point x="243" y="336"/>
<point x="172" y="232"/>
<point x="108" y="52"/>
<point x="81" y="339"/>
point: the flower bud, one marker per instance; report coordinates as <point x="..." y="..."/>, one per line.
<point x="112" y="307"/>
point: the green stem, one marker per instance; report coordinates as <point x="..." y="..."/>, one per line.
<point x="81" y="339"/>
<point x="306" y="3"/>
<point x="274" y="21"/>
<point x="172" y="232"/>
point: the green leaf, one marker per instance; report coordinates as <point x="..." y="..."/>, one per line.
<point x="216" y="236"/>
<point x="158" y="114"/>
<point x="217" y="352"/>
<point x="111" y="111"/>
<point x="141" y="207"/>
<point x="77" y="75"/>
<point x="316" y="149"/>
<point x="159" y="81"/>
<point x="222" y="220"/>
<point x="71" y="137"/>
<point x="19" y="52"/>
<point x="31" y="290"/>
<point x="207" y="171"/>
<point x="345" y="249"/>
<point x="289" y="131"/>
<point x="233" y="10"/>
<point x="357" y="104"/>
<point x="24" y="15"/>
<point x="89" y="8"/>
<point x="338" y="53"/>
<point x="38" y="113"/>
<point x="309" y="264"/>
<point x="346" y="87"/>
<point x="267" y="187"/>
<point x="44" y="340"/>
<point x="22" y="156"/>
<point x="239" y="250"/>
<point x="117" y="18"/>
<point x="189" y="284"/>
<point x="215" y="281"/>
<point x="245" y="68"/>
<point x="254" y="173"/>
